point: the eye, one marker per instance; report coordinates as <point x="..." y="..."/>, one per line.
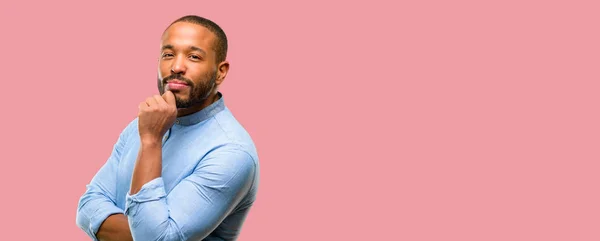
<point x="167" y="55"/>
<point x="195" y="57"/>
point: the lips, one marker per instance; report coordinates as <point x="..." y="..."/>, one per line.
<point x="176" y="85"/>
<point x="176" y="81"/>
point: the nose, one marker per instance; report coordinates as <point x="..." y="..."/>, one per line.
<point x="178" y="66"/>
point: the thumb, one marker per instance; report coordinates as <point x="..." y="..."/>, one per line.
<point x="169" y="98"/>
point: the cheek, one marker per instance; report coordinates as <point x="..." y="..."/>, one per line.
<point x="200" y="75"/>
<point x="163" y="70"/>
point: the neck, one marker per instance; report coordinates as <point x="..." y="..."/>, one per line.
<point x="191" y="110"/>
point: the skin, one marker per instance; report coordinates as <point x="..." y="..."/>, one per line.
<point x="187" y="54"/>
<point x="187" y="50"/>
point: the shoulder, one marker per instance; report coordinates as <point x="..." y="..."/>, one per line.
<point x="127" y="131"/>
<point x="235" y="152"/>
<point x="130" y="128"/>
<point x="233" y="134"/>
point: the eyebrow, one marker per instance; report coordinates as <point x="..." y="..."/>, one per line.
<point x="194" y="48"/>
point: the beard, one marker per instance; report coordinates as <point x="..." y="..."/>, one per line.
<point x="198" y="92"/>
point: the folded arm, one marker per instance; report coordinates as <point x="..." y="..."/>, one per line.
<point x="196" y="206"/>
<point x="97" y="213"/>
<point x="115" y="227"/>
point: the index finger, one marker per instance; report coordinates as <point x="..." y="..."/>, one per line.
<point x="169" y="97"/>
<point x="159" y="99"/>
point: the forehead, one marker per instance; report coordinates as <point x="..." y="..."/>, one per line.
<point x="184" y="35"/>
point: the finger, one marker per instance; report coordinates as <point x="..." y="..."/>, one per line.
<point x="143" y="106"/>
<point x="169" y="97"/>
<point x="151" y="101"/>
<point x="159" y="100"/>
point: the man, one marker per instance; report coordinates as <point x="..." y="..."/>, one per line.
<point x="184" y="169"/>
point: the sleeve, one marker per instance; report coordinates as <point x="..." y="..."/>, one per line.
<point x="196" y="206"/>
<point x="98" y="201"/>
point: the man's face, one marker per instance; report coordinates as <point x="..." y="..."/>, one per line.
<point x="187" y="64"/>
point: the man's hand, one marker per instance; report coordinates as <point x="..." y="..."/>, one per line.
<point x="157" y="114"/>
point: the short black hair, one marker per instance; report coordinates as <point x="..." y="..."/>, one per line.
<point x="221" y="41"/>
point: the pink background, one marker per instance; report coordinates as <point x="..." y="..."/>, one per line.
<point x="436" y="120"/>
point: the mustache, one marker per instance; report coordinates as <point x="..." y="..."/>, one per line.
<point x="179" y="77"/>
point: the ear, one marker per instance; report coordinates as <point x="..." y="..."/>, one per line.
<point x="222" y="70"/>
